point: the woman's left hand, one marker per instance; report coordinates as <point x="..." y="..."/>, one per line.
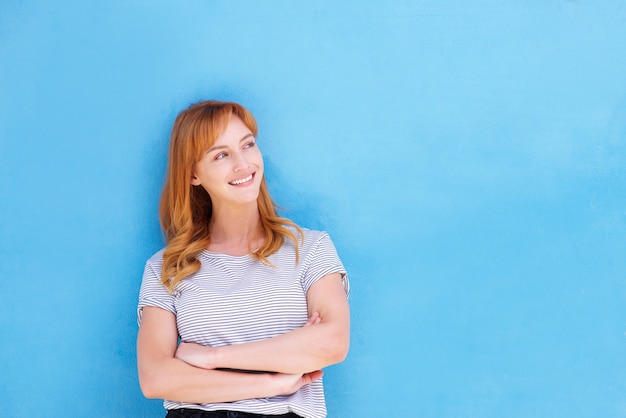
<point x="314" y="319"/>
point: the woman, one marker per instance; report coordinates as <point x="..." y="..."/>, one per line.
<point x="258" y="304"/>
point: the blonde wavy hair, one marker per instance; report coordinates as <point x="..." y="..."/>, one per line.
<point x="185" y="210"/>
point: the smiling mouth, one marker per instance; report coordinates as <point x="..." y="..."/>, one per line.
<point x="241" y="181"/>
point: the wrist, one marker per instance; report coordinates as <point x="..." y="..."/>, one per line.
<point x="276" y="384"/>
<point x="209" y="358"/>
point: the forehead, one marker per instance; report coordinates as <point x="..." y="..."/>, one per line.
<point x="234" y="131"/>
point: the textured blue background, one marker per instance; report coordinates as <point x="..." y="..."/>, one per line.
<point x="467" y="157"/>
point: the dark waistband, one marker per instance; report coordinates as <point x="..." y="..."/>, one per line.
<point x="199" y="413"/>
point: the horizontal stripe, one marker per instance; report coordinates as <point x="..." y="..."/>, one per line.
<point x="237" y="299"/>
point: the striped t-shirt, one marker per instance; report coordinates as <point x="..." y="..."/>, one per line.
<point x="237" y="299"/>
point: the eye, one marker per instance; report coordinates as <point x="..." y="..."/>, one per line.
<point x="220" y="155"/>
<point x="249" y="144"/>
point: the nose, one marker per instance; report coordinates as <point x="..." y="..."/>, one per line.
<point x="239" y="162"/>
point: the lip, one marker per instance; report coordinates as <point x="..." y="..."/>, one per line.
<point x="247" y="180"/>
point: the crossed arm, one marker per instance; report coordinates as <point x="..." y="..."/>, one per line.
<point x="188" y="372"/>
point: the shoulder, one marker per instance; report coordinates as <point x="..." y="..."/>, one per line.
<point x="307" y="241"/>
<point x="310" y="237"/>
<point x="156" y="260"/>
<point x="314" y="240"/>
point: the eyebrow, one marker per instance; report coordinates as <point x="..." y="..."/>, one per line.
<point x="216" y="147"/>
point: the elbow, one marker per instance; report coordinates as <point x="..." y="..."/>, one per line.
<point x="342" y="350"/>
<point x="149" y="393"/>
<point x="150" y="386"/>
<point x="337" y="349"/>
<point x="148" y="389"/>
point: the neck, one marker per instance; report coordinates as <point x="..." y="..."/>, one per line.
<point x="236" y="227"/>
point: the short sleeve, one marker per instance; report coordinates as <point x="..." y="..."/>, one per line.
<point x="322" y="261"/>
<point x="152" y="291"/>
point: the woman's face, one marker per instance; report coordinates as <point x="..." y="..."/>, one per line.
<point x="232" y="169"/>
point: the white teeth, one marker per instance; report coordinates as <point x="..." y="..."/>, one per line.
<point x="235" y="182"/>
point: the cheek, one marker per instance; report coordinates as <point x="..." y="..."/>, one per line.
<point x="209" y="177"/>
<point x="259" y="159"/>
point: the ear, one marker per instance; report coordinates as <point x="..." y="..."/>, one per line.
<point x="195" y="181"/>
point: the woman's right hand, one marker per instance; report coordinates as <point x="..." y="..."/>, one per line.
<point x="290" y="383"/>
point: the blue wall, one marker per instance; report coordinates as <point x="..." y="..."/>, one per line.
<point x="468" y="158"/>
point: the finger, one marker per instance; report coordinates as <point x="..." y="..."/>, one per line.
<point x="312" y="377"/>
<point x="313" y="320"/>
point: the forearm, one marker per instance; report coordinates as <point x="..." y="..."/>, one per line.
<point x="300" y="351"/>
<point x="323" y="341"/>
<point x="161" y="375"/>
<point x="175" y="380"/>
